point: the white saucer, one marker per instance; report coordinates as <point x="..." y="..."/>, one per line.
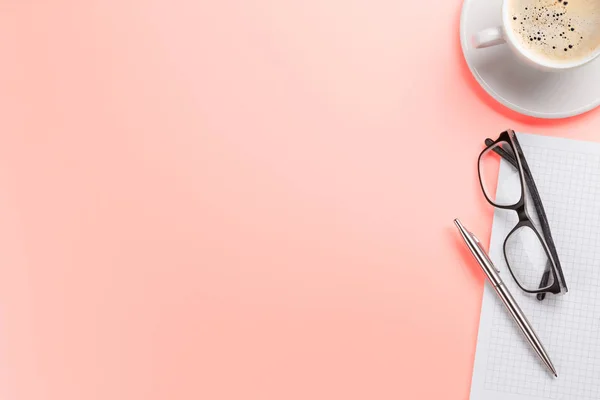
<point x="518" y="86"/>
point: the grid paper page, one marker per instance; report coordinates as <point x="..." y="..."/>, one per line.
<point x="567" y="173"/>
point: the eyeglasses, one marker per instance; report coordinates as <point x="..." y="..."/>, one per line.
<point x="530" y="255"/>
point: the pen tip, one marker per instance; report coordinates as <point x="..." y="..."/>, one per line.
<point x="555" y="375"/>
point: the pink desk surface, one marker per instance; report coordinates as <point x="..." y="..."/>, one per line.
<point x="240" y="199"/>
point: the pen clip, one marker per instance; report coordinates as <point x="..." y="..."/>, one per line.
<point x="483" y="252"/>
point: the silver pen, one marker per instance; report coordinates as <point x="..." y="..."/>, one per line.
<point x="493" y="275"/>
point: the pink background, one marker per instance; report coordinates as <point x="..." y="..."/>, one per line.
<point x="240" y="199"/>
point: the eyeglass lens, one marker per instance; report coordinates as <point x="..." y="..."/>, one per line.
<point x="527" y="257"/>
<point x="507" y="192"/>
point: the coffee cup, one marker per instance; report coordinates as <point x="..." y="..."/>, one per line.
<point x="550" y="35"/>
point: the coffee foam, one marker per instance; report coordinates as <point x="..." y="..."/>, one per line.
<point x="563" y="31"/>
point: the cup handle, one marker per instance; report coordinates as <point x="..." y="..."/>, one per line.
<point x="489" y="37"/>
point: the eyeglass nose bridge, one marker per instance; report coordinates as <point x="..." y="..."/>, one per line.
<point x="522" y="213"/>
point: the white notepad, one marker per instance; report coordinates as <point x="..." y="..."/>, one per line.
<point x="567" y="174"/>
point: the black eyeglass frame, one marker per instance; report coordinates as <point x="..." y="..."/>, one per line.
<point x="558" y="284"/>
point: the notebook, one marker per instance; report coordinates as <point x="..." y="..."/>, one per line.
<point x="567" y="174"/>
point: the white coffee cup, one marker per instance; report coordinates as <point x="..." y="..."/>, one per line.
<point x="505" y="34"/>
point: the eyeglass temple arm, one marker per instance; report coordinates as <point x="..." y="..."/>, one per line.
<point x="539" y="209"/>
